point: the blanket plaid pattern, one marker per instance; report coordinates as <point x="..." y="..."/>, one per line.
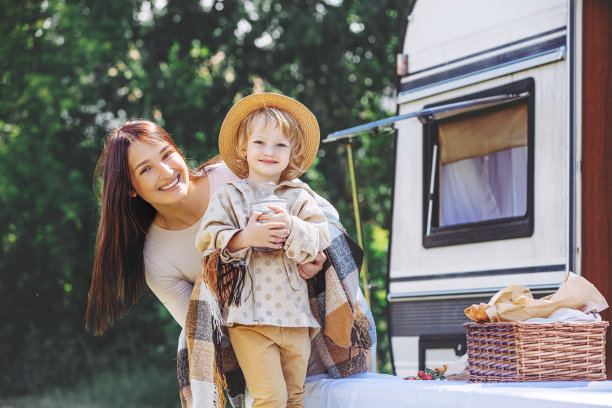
<point x="345" y="342"/>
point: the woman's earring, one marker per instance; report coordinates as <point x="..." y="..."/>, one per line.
<point x="133" y="194"/>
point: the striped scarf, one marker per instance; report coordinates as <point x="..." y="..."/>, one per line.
<point x="207" y="365"/>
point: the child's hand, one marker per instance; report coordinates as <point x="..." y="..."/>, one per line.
<point x="269" y="234"/>
<point x="280" y="216"/>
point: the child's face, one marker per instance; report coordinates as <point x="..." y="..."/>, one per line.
<point x="267" y="153"/>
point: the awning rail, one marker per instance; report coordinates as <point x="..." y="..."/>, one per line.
<point x="428" y="114"/>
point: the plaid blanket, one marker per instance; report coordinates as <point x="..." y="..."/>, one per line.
<point x="206" y="362"/>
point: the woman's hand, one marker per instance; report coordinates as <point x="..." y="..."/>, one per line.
<point x="308" y="270"/>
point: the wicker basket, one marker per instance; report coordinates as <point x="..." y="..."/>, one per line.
<point x="517" y="351"/>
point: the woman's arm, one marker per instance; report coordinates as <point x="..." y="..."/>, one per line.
<point x="310" y="269"/>
<point x="329" y="211"/>
<point x="172" y="291"/>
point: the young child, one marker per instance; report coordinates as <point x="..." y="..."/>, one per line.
<point x="268" y="138"/>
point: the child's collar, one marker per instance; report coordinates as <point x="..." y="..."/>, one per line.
<point x="245" y="184"/>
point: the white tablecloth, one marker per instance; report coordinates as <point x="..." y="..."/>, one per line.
<point x="371" y="390"/>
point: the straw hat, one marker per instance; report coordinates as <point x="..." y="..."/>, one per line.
<point x="228" y="136"/>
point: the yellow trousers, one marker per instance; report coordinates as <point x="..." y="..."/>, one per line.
<point x="274" y="362"/>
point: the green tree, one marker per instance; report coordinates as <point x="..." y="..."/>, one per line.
<point x="57" y="99"/>
<point x="71" y="71"/>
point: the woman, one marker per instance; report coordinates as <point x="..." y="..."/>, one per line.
<point x="152" y="204"/>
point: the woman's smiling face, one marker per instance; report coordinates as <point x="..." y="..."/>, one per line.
<point x="158" y="173"/>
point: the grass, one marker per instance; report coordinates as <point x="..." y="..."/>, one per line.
<point x="44" y="402"/>
<point x="142" y="387"/>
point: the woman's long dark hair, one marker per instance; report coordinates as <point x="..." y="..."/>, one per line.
<point x="118" y="278"/>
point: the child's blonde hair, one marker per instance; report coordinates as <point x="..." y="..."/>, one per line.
<point x="288" y="126"/>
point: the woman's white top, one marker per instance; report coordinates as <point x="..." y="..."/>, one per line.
<point x="172" y="262"/>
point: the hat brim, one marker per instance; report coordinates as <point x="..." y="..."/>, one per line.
<point x="228" y="136"/>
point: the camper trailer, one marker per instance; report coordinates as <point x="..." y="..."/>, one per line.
<point x="502" y="146"/>
<point x="487" y="187"/>
<point x="483" y="193"/>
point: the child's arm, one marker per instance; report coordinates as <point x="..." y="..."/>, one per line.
<point x="219" y="225"/>
<point x="221" y="229"/>
<point x="308" y="229"/>
<point x="257" y="234"/>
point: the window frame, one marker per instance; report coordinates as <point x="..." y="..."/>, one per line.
<point x="482" y="231"/>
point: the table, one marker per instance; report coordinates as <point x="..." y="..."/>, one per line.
<point x="372" y="390"/>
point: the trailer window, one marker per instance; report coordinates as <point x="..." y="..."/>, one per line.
<point x="479" y="177"/>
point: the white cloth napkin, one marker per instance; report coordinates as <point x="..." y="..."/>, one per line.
<point x="567" y="315"/>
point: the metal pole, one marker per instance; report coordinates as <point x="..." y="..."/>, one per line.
<point x="364" y="268"/>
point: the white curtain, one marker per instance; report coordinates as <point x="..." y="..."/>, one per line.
<point x="484" y="188"/>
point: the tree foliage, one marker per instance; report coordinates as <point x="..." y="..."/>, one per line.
<point x="72" y="71"/>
